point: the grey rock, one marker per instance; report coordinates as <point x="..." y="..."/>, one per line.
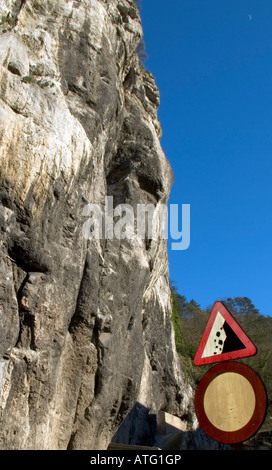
<point x="85" y="324"/>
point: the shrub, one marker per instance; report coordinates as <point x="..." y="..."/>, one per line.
<point x="180" y="346"/>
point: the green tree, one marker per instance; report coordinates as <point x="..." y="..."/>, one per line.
<point x="242" y="305"/>
<point x="176" y="321"/>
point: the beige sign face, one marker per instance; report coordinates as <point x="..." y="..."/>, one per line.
<point x="229" y="401"/>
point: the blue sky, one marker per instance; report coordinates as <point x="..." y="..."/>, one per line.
<point x="212" y="61"/>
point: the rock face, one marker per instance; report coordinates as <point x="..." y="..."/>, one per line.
<point x="85" y="330"/>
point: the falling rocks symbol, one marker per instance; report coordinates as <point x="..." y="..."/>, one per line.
<point x="232" y="342"/>
<point x="223" y="339"/>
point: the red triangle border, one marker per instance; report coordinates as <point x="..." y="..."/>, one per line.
<point x="249" y="350"/>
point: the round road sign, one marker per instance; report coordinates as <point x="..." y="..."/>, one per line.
<point x="230" y="402"/>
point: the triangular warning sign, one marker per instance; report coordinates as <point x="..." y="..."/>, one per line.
<point x="223" y="339"/>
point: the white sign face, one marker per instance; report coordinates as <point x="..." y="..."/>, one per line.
<point x="216" y="338"/>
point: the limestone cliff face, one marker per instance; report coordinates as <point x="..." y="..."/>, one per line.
<point x="85" y="329"/>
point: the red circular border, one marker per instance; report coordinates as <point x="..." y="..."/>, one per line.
<point x="259" y="413"/>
